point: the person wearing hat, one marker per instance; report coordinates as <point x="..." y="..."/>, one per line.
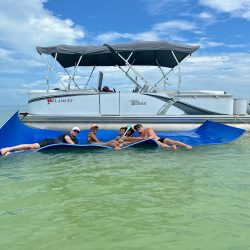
<point x="92" y="139"/>
<point x="70" y="137"/>
<point x="149" y="133"/>
<point x="67" y="137"/>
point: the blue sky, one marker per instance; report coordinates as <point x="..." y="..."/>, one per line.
<point x="221" y="28"/>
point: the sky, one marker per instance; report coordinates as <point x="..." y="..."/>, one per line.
<point x="220" y="28"/>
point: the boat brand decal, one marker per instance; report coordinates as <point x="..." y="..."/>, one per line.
<point x="57" y="96"/>
<point x="49" y="100"/>
<point x="57" y="100"/>
<point x="137" y="102"/>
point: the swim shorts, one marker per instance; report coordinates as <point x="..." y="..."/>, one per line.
<point x="48" y="141"/>
<point x="161" y="140"/>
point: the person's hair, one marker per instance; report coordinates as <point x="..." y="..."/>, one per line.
<point x="130" y="131"/>
<point x="137" y="126"/>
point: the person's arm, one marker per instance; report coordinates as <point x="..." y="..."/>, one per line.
<point x="68" y="139"/>
<point x="133" y="139"/>
<point x="93" y="137"/>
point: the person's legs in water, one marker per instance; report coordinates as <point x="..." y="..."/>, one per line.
<point x="21" y="147"/>
<point x="176" y="143"/>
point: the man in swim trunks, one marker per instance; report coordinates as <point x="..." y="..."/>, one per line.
<point x="149" y="133"/>
<point x="68" y="137"/>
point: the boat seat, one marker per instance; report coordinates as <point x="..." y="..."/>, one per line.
<point x="136" y="90"/>
<point x="106" y="89"/>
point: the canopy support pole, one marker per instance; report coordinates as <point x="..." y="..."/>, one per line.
<point x="130" y="66"/>
<point x="179" y="73"/>
<point x="89" y="77"/>
<point x="50" y="69"/>
<point x="55" y="61"/>
<point x="130" y="77"/>
<point x="47" y="80"/>
<point x="72" y="78"/>
<point x="146" y="83"/>
<point x="163" y="77"/>
<point x="165" y="74"/>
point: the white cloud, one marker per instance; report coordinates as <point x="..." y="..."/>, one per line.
<point x="147" y="36"/>
<point x="173" y="30"/>
<point x="159" y="31"/>
<point x="227" y="72"/>
<point x="23" y="26"/>
<point x="32" y="85"/>
<point x="156" y="7"/>
<point x="207" y="43"/>
<point x="238" y="8"/>
<point x="26" y="24"/>
<point x="238" y="45"/>
<point x="113" y="36"/>
<point x="213" y="44"/>
<point x="4" y="53"/>
<point x="206" y="16"/>
<point x="175" y="25"/>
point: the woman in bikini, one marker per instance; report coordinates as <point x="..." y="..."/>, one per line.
<point x="92" y="139"/>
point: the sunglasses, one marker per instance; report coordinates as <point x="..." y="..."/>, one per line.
<point x="136" y="128"/>
<point x="77" y="131"/>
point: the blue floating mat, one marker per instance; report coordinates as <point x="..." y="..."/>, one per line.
<point x="63" y="146"/>
<point x="14" y="132"/>
<point x="150" y="143"/>
<point x="209" y="133"/>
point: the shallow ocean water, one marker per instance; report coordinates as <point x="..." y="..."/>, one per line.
<point x="127" y="199"/>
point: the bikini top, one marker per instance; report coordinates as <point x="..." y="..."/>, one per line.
<point x="90" y="140"/>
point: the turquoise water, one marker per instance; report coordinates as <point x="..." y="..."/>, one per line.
<point x="128" y="199"/>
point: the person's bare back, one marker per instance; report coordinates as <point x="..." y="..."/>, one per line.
<point x="149" y="133"/>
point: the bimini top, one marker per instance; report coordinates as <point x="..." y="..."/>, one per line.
<point x="149" y="53"/>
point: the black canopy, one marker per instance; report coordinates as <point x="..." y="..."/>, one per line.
<point x="145" y="53"/>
